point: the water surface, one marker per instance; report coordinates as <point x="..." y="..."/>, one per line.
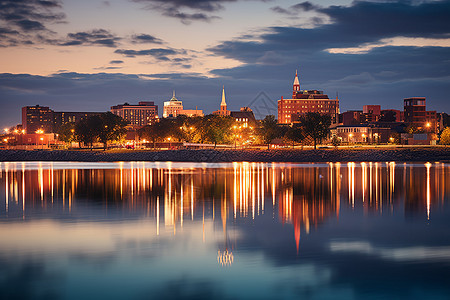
<point x="140" y="230"/>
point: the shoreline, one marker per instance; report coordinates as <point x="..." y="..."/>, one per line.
<point x="432" y="154"/>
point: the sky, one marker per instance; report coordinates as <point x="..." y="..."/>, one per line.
<point x="88" y="55"/>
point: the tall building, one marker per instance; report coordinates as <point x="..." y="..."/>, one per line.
<point x="63" y="117"/>
<point x="174" y="108"/>
<point x="371" y="113"/>
<point x="416" y="114"/>
<point x="223" y="106"/>
<point x="304" y="101"/>
<point x="144" y="113"/>
<point x="43" y="118"/>
<point x="36" y="118"/>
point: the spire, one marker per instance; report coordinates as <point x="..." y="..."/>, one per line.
<point x="223" y="103"/>
<point x="173" y="96"/>
<point x="296" y="87"/>
<point x="296" y="82"/>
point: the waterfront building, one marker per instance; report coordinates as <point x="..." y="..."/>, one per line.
<point x="304" y="101"/>
<point x="144" y="113"/>
<point x="36" y="118"/>
<point x="223" y="106"/>
<point x="367" y="133"/>
<point x="63" y="117"/>
<point x="245" y="117"/>
<point x="417" y="116"/>
<point x="42" y="118"/>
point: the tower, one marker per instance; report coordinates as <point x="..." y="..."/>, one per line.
<point x="223" y="104"/>
<point x="296" y="86"/>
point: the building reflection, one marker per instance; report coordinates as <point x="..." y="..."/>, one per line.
<point x="302" y="195"/>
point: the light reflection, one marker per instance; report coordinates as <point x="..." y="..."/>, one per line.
<point x="302" y="196"/>
<point x="428" y="166"/>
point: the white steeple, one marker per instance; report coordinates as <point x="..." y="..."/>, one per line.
<point x="223" y="103"/>
<point x="296" y="82"/>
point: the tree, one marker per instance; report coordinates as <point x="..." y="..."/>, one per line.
<point x="295" y="133"/>
<point x="86" y="131"/>
<point x="445" y="136"/>
<point x="269" y="129"/>
<point x="335" y="141"/>
<point x="218" y="129"/>
<point x="316" y="125"/>
<point x="66" y="133"/>
<point x="112" y="128"/>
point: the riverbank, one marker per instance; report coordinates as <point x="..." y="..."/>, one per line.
<point x="399" y="154"/>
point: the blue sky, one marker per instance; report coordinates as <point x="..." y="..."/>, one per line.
<point x="89" y="55"/>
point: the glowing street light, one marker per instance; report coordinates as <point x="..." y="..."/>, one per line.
<point x="6" y="130"/>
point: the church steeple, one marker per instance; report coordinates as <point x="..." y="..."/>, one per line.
<point x="223" y="104"/>
<point x="296" y="86"/>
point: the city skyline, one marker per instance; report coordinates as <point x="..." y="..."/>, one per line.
<point x="94" y="54"/>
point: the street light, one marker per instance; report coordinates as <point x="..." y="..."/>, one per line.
<point x="169" y="138"/>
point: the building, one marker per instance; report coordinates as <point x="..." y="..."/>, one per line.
<point x="245" y="117"/>
<point x="63" y="117"/>
<point x="191" y="112"/>
<point x="144" y="113"/>
<point x="371" y="113"/>
<point x="44" y="119"/>
<point x="370" y="134"/>
<point x="223" y="106"/>
<point x="417" y="116"/>
<point x="36" y="118"/>
<point x="174" y="108"/>
<point x="304" y="101"/>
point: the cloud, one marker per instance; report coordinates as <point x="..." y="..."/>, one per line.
<point x="22" y="20"/>
<point x="296" y="8"/>
<point x="145" y="38"/>
<point x="160" y="54"/>
<point x="96" y="37"/>
<point x="187" y="11"/>
<point x="116" y="62"/>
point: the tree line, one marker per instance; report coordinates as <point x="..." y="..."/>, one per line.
<point x="105" y="128"/>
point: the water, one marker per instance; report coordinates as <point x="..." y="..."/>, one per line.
<point x="224" y="231"/>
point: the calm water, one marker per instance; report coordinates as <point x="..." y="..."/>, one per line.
<point x="224" y="231"/>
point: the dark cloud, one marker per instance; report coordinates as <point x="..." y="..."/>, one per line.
<point x="199" y="10"/>
<point x="363" y="22"/>
<point x="187" y="18"/>
<point x="23" y="19"/>
<point x="96" y="37"/>
<point x="384" y="75"/>
<point x="145" y="38"/>
<point x="161" y="54"/>
<point x="116" y="62"/>
<point x="296" y="8"/>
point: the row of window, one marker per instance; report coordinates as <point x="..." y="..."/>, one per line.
<point x="356" y="129"/>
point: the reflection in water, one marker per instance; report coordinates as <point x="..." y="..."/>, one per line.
<point x="99" y="208"/>
<point x="303" y="196"/>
